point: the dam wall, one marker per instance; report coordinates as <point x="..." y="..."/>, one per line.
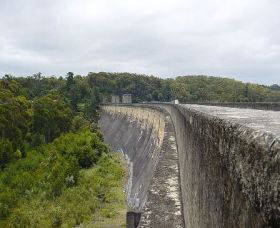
<point x="229" y="160"/>
<point x="229" y="169"/>
<point x="146" y="137"/>
<point x="138" y="134"/>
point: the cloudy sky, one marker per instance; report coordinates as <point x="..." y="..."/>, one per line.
<point x="232" y="38"/>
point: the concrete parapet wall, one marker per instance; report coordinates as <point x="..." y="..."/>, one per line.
<point x="229" y="172"/>
<point x="274" y="106"/>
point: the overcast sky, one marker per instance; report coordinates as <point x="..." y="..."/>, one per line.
<point x="232" y="38"/>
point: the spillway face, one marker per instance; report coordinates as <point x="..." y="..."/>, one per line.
<point x="138" y="134"/>
<point x="146" y="137"/>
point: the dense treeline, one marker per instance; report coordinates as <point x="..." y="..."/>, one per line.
<point x="85" y="92"/>
<point x="55" y="169"/>
<point x="214" y="89"/>
<point x="186" y="89"/>
<point x="36" y="110"/>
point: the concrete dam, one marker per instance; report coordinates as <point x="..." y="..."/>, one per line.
<point x="198" y="166"/>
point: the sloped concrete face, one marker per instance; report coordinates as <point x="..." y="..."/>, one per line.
<point x="146" y="137"/>
<point x="229" y="162"/>
<point x="138" y="134"/>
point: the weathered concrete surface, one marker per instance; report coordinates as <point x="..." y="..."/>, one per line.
<point x="249" y="143"/>
<point x="258" y="120"/>
<point x="229" y="166"/>
<point x="273" y="106"/>
<point x="138" y="133"/>
<point x="163" y="207"/>
<point x="229" y="163"/>
<point x="146" y="136"/>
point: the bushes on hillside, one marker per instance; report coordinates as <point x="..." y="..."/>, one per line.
<point x="50" y="154"/>
<point x="98" y="190"/>
<point x="86" y="147"/>
<point x="49" y="170"/>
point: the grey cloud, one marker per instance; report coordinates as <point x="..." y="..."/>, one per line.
<point x="236" y="38"/>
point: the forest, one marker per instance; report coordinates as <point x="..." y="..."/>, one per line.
<point x="84" y="93"/>
<point x="184" y="88"/>
<point x="56" y="170"/>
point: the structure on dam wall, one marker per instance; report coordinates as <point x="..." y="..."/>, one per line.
<point x="228" y="161"/>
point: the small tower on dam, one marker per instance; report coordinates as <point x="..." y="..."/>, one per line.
<point x="127" y="99"/>
<point x="115" y="99"/>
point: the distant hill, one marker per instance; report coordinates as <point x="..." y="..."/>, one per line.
<point x="193" y="88"/>
<point x="183" y="88"/>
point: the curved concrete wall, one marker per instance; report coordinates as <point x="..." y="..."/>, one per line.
<point x="138" y="133"/>
<point x="229" y="172"/>
<point x="147" y="138"/>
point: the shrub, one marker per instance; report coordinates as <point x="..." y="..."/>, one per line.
<point x="50" y="188"/>
<point x="84" y="146"/>
<point x="79" y="122"/>
<point x="78" y="204"/>
<point x="6" y="152"/>
<point x="18" y="154"/>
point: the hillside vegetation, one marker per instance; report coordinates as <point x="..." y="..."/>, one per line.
<point x="55" y="170"/>
<point x="84" y="92"/>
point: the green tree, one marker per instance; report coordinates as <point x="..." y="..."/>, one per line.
<point x="51" y="116"/>
<point x="15" y="118"/>
<point x="92" y="103"/>
<point x="69" y="80"/>
<point x="6" y="152"/>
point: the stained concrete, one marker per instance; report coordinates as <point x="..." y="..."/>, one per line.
<point x="229" y="161"/>
<point x="261" y="121"/>
<point x="147" y="139"/>
<point x="138" y="134"/>
<point x="229" y="170"/>
<point x="273" y="106"/>
<point x="164" y="205"/>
